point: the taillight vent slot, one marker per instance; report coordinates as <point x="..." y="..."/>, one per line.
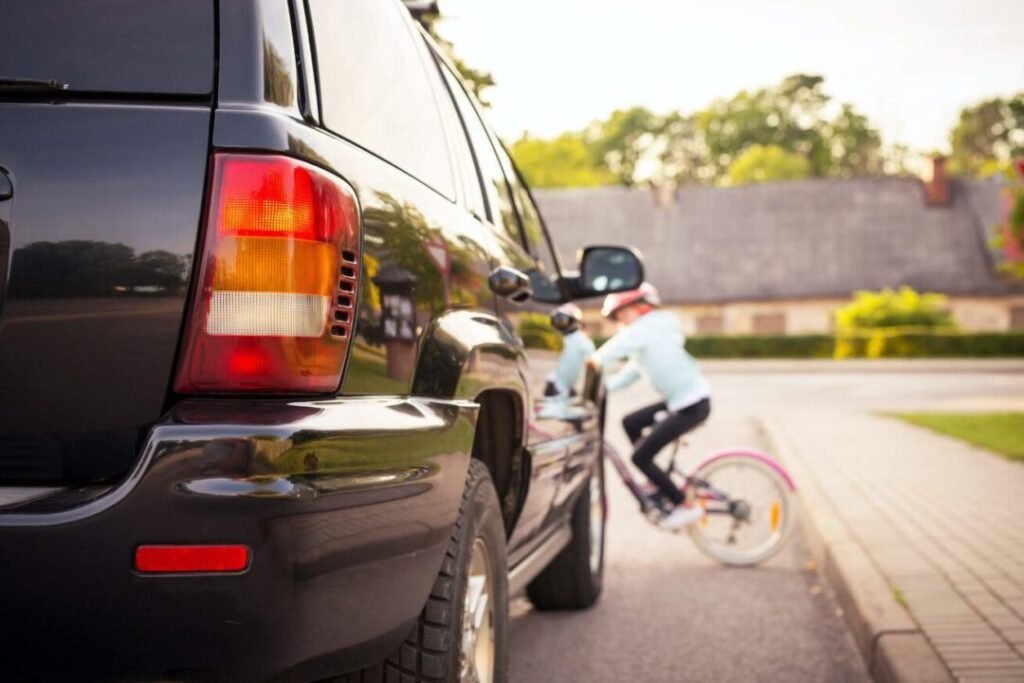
<point x="348" y="277"/>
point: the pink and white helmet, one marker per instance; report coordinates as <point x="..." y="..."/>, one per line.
<point x="613" y="303"/>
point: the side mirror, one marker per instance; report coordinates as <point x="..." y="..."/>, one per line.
<point x="607" y="269"/>
<point x="510" y="283"/>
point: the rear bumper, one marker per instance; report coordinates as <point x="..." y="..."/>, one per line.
<point x="347" y="506"/>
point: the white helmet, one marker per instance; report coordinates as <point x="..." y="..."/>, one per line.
<point x="566" y="318"/>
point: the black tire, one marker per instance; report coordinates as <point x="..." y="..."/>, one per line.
<point x="431" y="653"/>
<point x="571" y="581"/>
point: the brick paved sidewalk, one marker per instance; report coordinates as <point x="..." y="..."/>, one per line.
<point x="943" y="522"/>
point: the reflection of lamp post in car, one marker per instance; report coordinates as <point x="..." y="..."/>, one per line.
<point x="398" y="318"/>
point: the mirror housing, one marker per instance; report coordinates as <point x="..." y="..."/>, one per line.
<point x="509" y="283"/>
<point x="606" y="269"/>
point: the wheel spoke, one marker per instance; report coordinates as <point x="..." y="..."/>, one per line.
<point x="752" y="483"/>
<point x="477" y="656"/>
<point x="481" y="610"/>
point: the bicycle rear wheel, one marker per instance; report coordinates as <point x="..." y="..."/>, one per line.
<point x="749" y="509"/>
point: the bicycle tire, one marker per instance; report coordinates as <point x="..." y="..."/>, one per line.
<point x="780" y="513"/>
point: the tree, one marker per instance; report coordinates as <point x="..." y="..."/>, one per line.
<point x="795" y="116"/>
<point x="622" y="140"/>
<point x="988" y="136"/>
<point x="1009" y="238"/>
<point x="807" y="135"/>
<point x="759" y="164"/>
<point x="854" y="147"/>
<point x="792" y="116"/>
<point x="565" y="161"/>
<point x="477" y="80"/>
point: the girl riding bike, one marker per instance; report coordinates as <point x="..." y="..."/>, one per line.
<point x="653" y="340"/>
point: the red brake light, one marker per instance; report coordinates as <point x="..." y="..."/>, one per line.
<point x="191" y="559"/>
<point x="275" y="304"/>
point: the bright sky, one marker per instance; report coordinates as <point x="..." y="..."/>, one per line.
<point x="909" y="65"/>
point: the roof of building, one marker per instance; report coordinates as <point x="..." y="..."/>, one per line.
<point x="800" y="239"/>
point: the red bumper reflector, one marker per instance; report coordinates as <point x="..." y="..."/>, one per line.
<point x="191" y="559"/>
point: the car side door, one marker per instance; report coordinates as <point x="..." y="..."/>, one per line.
<point x="506" y="217"/>
<point x="567" y="430"/>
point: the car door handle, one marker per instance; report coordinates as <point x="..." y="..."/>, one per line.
<point x="510" y="283"/>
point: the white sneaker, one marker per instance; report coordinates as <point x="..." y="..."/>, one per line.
<point x="682" y="516"/>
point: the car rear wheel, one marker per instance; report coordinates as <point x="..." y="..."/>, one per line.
<point x="573" y="579"/>
<point x="461" y="634"/>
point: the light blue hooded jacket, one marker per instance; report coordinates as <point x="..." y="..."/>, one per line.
<point x="655" y="343"/>
<point x="577" y="347"/>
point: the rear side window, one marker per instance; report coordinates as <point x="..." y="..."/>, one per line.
<point x="545" y="274"/>
<point x="460" y="143"/>
<point x="123" y="46"/>
<point x="375" y="87"/>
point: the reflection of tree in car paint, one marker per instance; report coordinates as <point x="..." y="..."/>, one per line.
<point x="93" y="268"/>
<point x="403" y="235"/>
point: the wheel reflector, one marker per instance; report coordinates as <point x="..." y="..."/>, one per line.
<point x="776" y="515"/>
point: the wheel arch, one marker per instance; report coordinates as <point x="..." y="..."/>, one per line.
<point x="470" y="354"/>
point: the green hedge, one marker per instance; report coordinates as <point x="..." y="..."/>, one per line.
<point x="916" y="343"/>
<point x="754" y="346"/>
<point x="880" y="343"/>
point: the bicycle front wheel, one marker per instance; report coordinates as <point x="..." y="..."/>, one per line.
<point x="749" y="509"/>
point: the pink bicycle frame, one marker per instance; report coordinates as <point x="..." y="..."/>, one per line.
<point x="634" y="486"/>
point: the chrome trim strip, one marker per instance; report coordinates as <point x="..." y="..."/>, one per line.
<point x="16" y="495"/>
<point x="534" y="563"/>
<point x="194" y="424"/>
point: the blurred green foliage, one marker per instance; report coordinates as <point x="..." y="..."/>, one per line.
<point x="878" y="343"/>
<point x="761" y="346"/>
<point x="917" y="342"/>
<point x="477" y="80"/>
<point x="894" y="308"/>
<point x="536" y="332"/>
<point x="1009" y="235"/>
<point x="760" y="164"/>
<point x="565" y="161"/>
<point x="988" y="136"/>
<point x="637" y="146"/>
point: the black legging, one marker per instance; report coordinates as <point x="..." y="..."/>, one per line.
<point x="662" y="434"/>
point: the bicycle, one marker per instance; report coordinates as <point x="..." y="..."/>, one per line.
<point x="746" y="495"/>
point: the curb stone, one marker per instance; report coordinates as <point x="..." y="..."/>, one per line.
<point x="894" y="648"/>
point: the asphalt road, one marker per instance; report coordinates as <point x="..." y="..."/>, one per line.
<point x="670" y="614"/>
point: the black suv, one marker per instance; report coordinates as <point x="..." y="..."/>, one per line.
<point x="265" y="408"/>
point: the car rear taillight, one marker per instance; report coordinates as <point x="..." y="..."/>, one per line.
<point x="278" y="279"/>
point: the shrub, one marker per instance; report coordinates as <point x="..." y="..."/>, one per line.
<point x="894" y="308"/>
<point x="536" y="332"/>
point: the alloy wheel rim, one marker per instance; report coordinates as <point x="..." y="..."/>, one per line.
<point x="476" y="659"/>
<point x="596" y="522"/>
